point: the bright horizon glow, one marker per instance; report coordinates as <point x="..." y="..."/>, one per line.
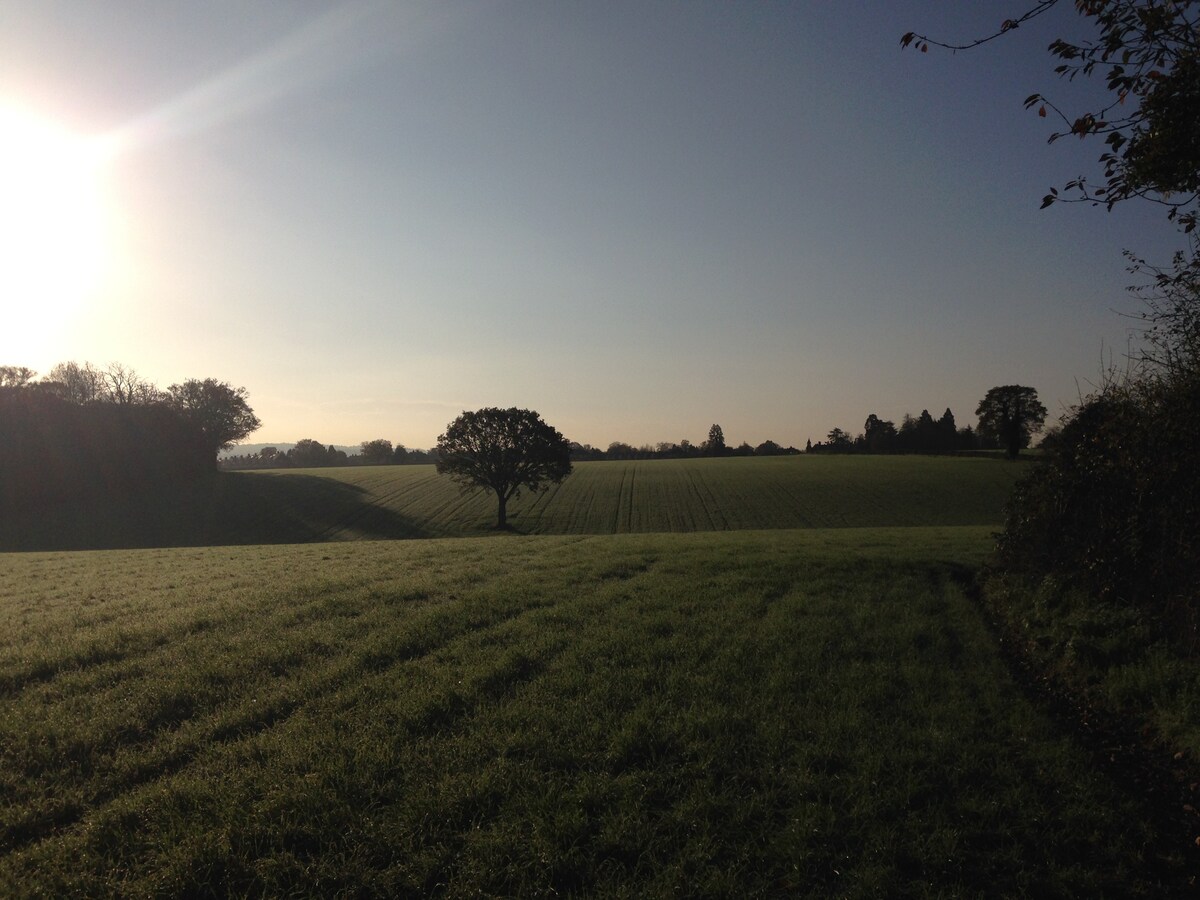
<point x="636" y="219"/>
<point x="54" y="228"/>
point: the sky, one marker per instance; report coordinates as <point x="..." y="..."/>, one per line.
<point x="637" y="218"/>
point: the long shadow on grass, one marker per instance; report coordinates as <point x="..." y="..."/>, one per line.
<point x="222" y="508"/>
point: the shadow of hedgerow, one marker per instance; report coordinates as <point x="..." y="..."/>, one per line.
<point x="222" y="508"/>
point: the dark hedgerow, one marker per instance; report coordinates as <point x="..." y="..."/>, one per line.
<point x="1112" y="510"/>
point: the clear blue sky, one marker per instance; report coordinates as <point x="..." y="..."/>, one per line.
<point x="637" y="218"/>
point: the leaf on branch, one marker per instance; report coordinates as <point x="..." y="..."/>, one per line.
<point x="1042" y="111"/>
<point x="1046" y="201"/>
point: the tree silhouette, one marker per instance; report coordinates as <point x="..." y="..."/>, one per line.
<point x="378" y="452"/>
<point x="308" y="453"/>
<point x="1011" y="414"/>
<point x="220" y="410"/>
<point x="715" y="445"/>
<point x="503" y="450"/>
<point x="16" y="376"/>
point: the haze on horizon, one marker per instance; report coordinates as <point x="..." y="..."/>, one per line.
<point x="636" y="218"/>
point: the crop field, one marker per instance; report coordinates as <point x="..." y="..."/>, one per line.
<point x="787" y="712"/>
<point x="292" y="506"/>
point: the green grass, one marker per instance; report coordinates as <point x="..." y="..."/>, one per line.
<point x="598" y="498"/>
<point x="739" y="713"/>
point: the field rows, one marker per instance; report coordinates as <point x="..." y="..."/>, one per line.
<point x="597" y="498"/>
<point x="738" y="713"/>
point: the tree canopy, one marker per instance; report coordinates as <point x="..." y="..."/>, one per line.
<point x="1011" y="414"/>
<point x="219" y="409"/>
<point x="377" y="452"/>
<point x="715" y="445"/>
<point x="503" y="450"/>
<point x="1149" y="54"/>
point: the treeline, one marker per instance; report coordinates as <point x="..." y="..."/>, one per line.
<point x="52" y="448"/>
<point x="83" y="431"/>
<point x="683" y="450"/>
<point x="309" y="454"/>
<point x="920" y="434"/>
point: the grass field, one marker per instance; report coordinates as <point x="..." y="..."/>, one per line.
<point x="598" y="498"/>
<point x="737" y="713"/>
<point x="761" y="677"/>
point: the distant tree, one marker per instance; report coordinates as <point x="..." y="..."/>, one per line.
<point x="715" y="445"/>
<point x="927" y="433"/>
<point x="308" y="453"/>
<point x="378" y="452"/>
<point x="220" y="410"/>
<point x="503" y="450"/>
<point x="839" y="441"/>
<point x="966" y="439"/>
<point x="422" y="457"/>
<point x="16" y="376"/>
<point x="1011" y="414"/>
<point x="947" y="433"/>
<point x="879" y="435"/>
<point x="808" y="446"/>
<point x="768" y="448"/>
<point x="122" y="385"/>
<point x="743" y="449"/>
<point x="400" y="454"/>
<point x="75" y="383"/>
<point x="619" y="450"/>
<point x="585" y="452"/>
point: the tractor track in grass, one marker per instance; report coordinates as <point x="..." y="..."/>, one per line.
<point x="270" y="710"/>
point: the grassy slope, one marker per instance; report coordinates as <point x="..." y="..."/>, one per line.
<point x="598" y="498"/>
<point x="738" y="713"/>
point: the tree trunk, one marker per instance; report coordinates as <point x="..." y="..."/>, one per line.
<point x="501" y="513"/>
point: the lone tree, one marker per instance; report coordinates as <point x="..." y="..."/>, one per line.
<point x="220" y="410"/>
<point x="503" y="450"/>
<point x="1011" y="414"/>
<point x="715" y="445"/>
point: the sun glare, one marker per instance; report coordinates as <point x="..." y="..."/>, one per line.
<point x="52" y="230"/>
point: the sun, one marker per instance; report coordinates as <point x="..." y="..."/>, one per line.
<point x="52" y="230"/>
